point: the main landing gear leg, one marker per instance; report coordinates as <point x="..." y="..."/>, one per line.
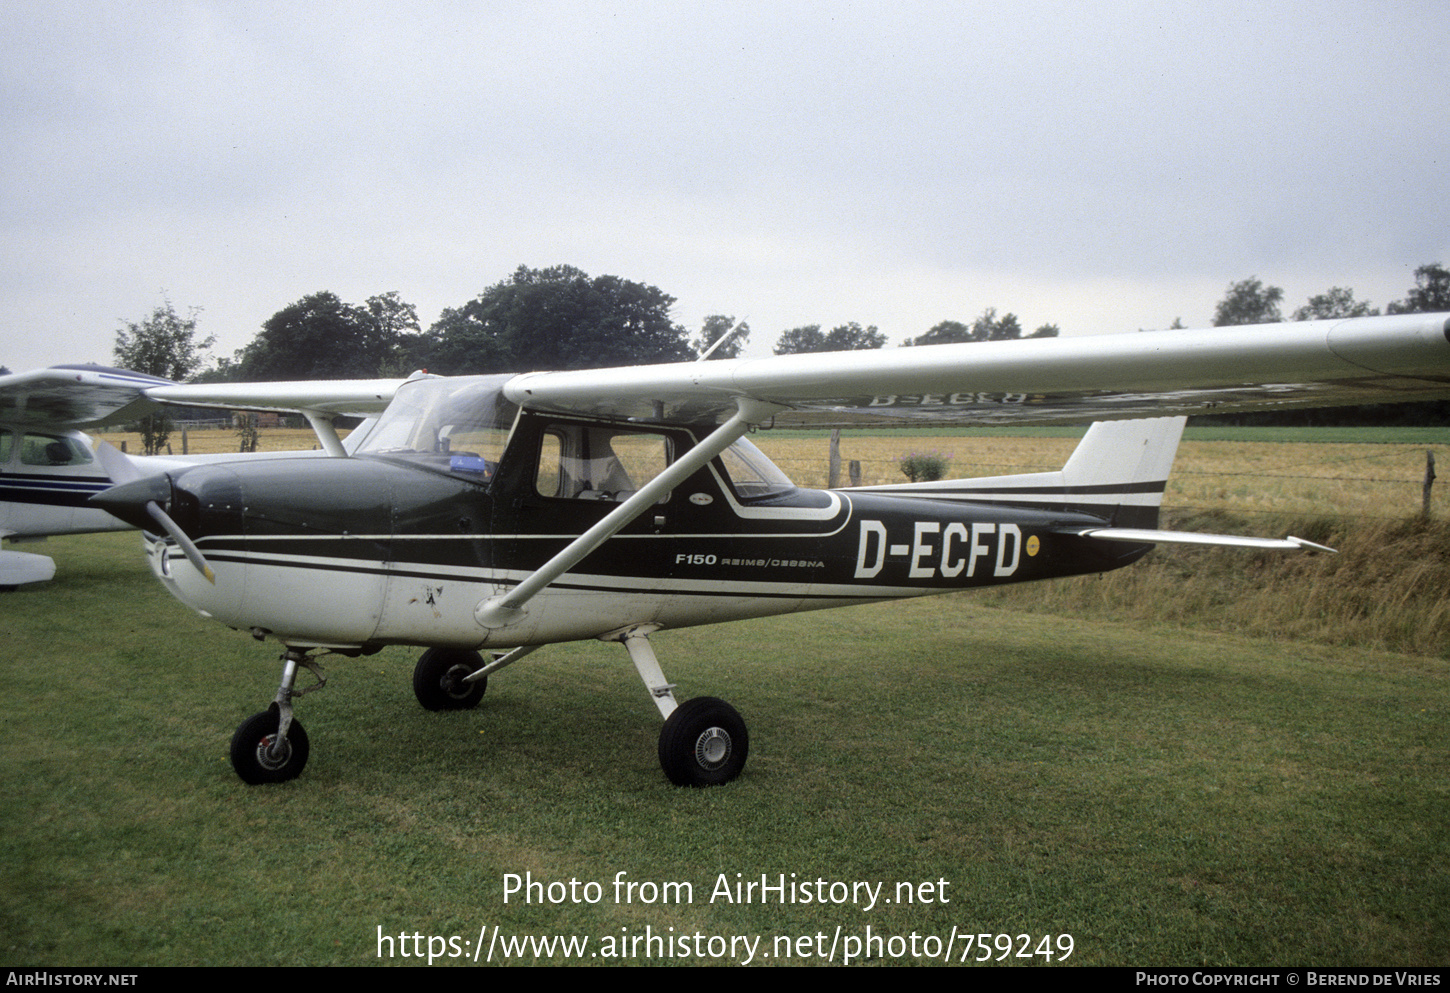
<point x="704" y="741"/>
<point x="272" y="747"/>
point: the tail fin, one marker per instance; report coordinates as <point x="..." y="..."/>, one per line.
<point x="1116" y="473"/>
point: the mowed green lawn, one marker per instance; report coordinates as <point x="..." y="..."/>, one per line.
<point x="1161" y="796"/>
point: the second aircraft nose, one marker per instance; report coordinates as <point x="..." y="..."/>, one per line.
<point x="128" y="501"/>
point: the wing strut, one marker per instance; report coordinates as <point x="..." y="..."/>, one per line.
<point x="501" y="611"/>
<point x="326" y="431"/>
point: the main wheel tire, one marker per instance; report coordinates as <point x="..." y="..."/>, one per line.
<point x="252" y="745"/>
<point x="438" y="679"/>
<point x="703" y="743"/>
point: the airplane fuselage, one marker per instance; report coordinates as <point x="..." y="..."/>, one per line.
<point x="364" y="552"/>
<point x="47" y="477"/>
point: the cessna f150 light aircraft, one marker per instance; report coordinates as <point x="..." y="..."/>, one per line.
<point x="503" y="513"/>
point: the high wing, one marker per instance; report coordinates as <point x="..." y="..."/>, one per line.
<point x="76" y="396"/>
<point x="85" y="396"/>
<point x="333" y="397"/>
<point x="1041" y="381"/>
<point x="320" y="401"/>
<point x="1028" y="381"/>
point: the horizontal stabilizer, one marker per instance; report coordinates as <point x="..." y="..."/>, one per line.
<point x="1148" y="535"/>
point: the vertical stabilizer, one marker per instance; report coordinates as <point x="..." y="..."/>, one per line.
<point x="1117" y="472"/>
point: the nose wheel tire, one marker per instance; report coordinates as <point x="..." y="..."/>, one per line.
<point x="703" y="743"/>
<point x="257" y="756"/>
<point x="438" y="679"/>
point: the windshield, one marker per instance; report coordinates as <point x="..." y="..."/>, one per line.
<point x="458" y="425"/>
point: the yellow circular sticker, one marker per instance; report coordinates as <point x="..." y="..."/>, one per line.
<point x="1032" y="544"/>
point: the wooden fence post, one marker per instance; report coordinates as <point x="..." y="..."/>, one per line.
<point x="1429" y="481"/>
<point x="834" y="478"/>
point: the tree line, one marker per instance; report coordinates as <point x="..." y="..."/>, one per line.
<point x="1251" y="302"/>
<point x="562" y="318"/>
<point x="554" y="318"/>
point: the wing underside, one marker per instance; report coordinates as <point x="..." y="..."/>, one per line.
<point x="76" y="396"/>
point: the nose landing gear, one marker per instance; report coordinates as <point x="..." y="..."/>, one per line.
<point x="272" y="747"/>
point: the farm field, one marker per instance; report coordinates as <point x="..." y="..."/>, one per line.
<point x="1246" y="476"/>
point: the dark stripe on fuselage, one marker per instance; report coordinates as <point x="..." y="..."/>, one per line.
<point x="178" y="561"/>
<point x="50" y="491"/>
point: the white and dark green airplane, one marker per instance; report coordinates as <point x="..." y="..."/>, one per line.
<point x="498" y="514"/>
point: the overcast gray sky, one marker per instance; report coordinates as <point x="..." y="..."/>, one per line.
<point x="1102" y="166"/>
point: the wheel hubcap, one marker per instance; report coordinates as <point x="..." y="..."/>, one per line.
<point x="273" y="756"/>
<point x="453" y="683"/>
<point x="712" y="748"/>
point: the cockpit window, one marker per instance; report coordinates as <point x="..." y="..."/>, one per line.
<point x="459" y="426"/>
<point x="53" y="449"/>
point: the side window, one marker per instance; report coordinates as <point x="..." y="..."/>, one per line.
<point x="589" y="462"/>
<point x="5" y="446"/>
<point x="550" y="480"/>
<point x="53" y="449"/>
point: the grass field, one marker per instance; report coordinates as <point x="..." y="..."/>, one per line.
<point x="1161" y="795"/>
<point x="1209" y="758"/>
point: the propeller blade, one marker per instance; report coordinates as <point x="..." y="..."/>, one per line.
<point x="193" y="554"/>
<point x="117" y="464"/>
<point x="136" y="499"/>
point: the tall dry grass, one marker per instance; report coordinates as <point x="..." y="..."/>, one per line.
<point x="1385" y="587"/>
<point x="207" y="441"/>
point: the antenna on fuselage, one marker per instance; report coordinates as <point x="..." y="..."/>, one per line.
<point x="721" y="340"/>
